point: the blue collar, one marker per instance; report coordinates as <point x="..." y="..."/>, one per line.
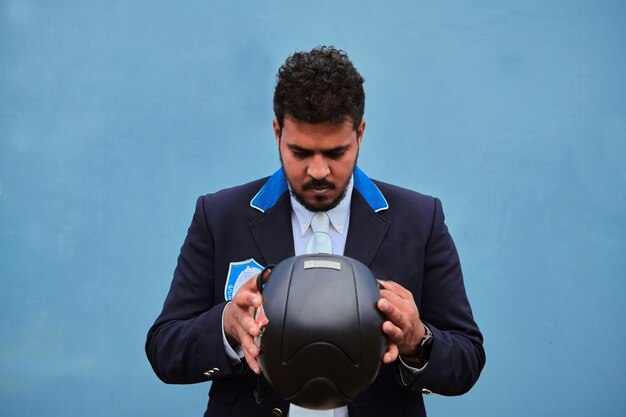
<point x="276" y="185"/>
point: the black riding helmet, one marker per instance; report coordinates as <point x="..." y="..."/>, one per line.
<point x="323" y="343"/>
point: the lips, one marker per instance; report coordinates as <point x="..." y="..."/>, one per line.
<point x="320" y="190"/>
<point x="318" y="185"/>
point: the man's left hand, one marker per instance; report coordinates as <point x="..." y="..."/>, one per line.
<point x="403" y="327"/>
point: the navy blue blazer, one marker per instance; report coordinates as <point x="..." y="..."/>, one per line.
<point x="398" y="233"/>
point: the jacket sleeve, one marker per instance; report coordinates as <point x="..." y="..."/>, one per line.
<point x="457" y="356"/>
<point x="186" y="341"/>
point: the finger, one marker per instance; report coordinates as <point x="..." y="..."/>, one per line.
<point x="391" y="354"/>
<point x="249" y="325"/>
<point x="250" y="353"/>
<point x="396" y="288"/>
<point x="393" y="332"/>
<point x="393" y="313"/>
<point x="396" y="298"/>
<point x="239" y="322"/>
<point x="247" y="298"/>
<point x="249" y="347"/>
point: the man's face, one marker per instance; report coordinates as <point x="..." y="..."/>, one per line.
<point x="318" y="159"/>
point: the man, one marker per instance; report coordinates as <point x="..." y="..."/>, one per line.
<point x="206" y="329"/>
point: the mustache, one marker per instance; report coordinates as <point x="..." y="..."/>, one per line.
<point x="317" y="184"/>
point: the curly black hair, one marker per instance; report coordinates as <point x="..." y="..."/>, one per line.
<point x="318" y="87"/>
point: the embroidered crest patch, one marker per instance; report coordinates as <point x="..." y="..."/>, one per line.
<point x="238" y="274"/>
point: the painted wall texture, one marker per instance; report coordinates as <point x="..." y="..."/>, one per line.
<point x="115" y="115"/>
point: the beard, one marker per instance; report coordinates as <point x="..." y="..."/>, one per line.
<point x="321" y="206"/>
<point x="312" y="184"/>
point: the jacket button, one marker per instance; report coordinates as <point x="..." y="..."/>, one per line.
<point x="213" y="372"/>
<point x="277" y="412"/>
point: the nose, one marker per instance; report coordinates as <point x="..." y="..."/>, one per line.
<point x="318" y="168"/>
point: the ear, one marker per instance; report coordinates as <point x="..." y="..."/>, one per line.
<point x="359" y="132"/>
<point x="277" y="130"/>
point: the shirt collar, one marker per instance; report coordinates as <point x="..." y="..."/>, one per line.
<point x="338" y="216"/>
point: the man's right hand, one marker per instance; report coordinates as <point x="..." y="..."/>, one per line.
<point x="239" y="325"/>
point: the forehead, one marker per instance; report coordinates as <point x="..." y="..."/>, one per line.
<point x="317" y="135"/>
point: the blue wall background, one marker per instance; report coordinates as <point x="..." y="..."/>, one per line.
<point x="115" y="115"/>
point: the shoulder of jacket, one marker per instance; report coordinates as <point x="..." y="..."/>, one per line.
<point x="400" y="195"/>
<point x="232" y="201"/>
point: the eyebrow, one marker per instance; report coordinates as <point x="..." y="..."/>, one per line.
<point x="336" y="149"/>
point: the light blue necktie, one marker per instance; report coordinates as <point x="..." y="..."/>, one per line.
<point x="320" y="241"/>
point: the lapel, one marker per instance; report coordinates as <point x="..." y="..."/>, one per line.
<point x="366" y="231"/>
<point x="273" y="233"/>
